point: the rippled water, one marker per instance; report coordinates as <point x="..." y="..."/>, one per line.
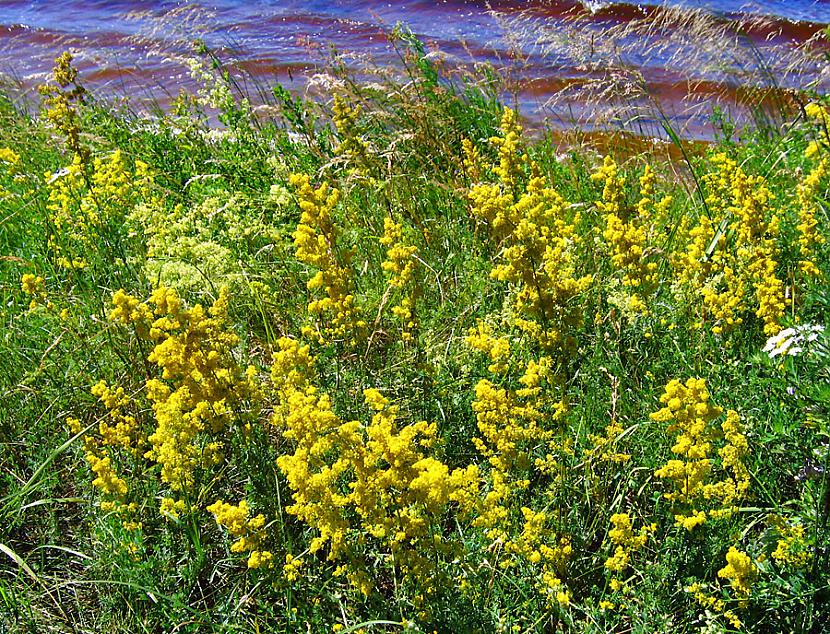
<point x="129" y="46"/>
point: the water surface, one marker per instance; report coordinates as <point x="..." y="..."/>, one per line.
<point x="131" y="46"/>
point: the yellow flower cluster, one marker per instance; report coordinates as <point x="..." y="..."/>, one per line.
<point x="106" y="479"/>
<point x="9" y="157"/>
<point x="691" y="414"/>
<point x="808" y="235"/>
<point x="172" y="508"/>
<point x="315" y="243"/>
<point x="60" y="101"/>
<point x="818" y="114"/>
<point x="740" y="571"/>
<point x="688" y="405"/>
<point x="613" y="188"/>
<point x="202" y="389"/>
<point x="32" y="284"/>
<point x="118" y="429"/>
<point x="130" y="310"/>
<point x="732" y="253"/>
<point x="35" y="286"/>
<point x="517" y="426"/>
<point x="399" y="261"/>
<point x="513" y="423"/>
<point x="792" y="548"/>
<point x="471" y="159"/>
<point x="9" y="160"/>
<point x="628" y="235"/>
<point x="352" y="146"/>
<point x="537" y="544"/>
<point x="510" y="421"/>
<point x="603" y="448"/>
<point x="400" y="266"/>
<point x="497" y="348"/>
<point x="703" y="271"/>
<point x="626" y="542"/>
<point x="509" y="144"/>
<point x="291" y="567"/>
<point x="86" y="202"/>
<point x="249" y="534"/>
<point x="373" y="478"/>
<point x="537" y="242"/>
<point x="757" y="229"/>
<point x="718" y="606"/>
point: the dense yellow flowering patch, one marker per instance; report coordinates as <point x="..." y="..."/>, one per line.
<point x="496" y="348"/>
<point x="352" y="147"/>
<point x="376" y="478"/>
<point x="511" y="420"/>
<point x="507" y="449"/>
<point x="521" y="424"/>
<point x="792" y="547"/>
<point x="9" y="157"/>
<point x="248" y="533"/>
<point x="819" y="115"/>
<point x="691" y="415"/>
<point x="399" y="265"/>
<point x="118" y="428"/>
<point x="711" y="602"/>
<point x="88" y="203"/>
<point x="740" y="571"/>
<point x="106" y="478"/>
<point x="511" y="424"/>
<point x="201" y="386"/>
<point x="537" y="242"/>
<point x="809" y="236"/>
<point x="539" y="545"/>
<point x="731" y="262"/>
<point x="9" y="166"/>
<point x="35" y="286"/>
<point x="315" y="243"/>
<point x="626" y="542"/>
<point x="99" y="450"/>
<point x="629" y="235"/>
<point x="172" y="508"/>
<point x="201" y="391"/>
<point x="32" y="284"/>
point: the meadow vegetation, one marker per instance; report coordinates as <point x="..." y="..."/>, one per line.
<point x="383" y="361"/>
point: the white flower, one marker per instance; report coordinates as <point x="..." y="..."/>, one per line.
<point x="56" y="175"/>
<point x="791" y="341"/>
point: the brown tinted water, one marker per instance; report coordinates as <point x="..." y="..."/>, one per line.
<point x="597" y="65"/>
